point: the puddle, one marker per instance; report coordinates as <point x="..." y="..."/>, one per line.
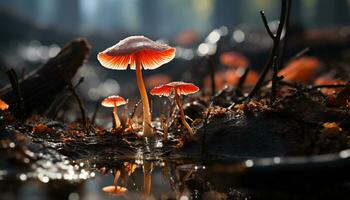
<point x="68" y="165"/>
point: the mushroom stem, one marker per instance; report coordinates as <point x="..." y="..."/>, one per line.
<point x="116" y="118"/>
<point x="182" y="114"/>
<point x="147" y="129"/>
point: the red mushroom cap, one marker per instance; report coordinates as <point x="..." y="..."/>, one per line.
<point x="151" y="54"/>
<point x="3" y="105"/>
<point x="114" y="189"/>
<point x="181" y="88"/>
<point x="112" y="101"/>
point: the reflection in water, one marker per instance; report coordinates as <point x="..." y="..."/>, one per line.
<point x="147" y="178"/>
<point x="273" y="178"/>
<point x="179" y="177"/>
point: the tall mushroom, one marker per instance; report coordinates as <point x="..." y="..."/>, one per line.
<point x="177" y="88"/>
<point x="114" y="101"/>
<point x="137" y="52"/>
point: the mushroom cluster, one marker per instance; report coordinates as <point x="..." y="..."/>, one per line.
<point x="139" y="52"/>
<point x="136" y="52"/>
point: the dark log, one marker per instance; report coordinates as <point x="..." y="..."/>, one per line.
<point x="39" y="88"/>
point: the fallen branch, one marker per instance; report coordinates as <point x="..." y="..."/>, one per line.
<point x="40" y="87"/>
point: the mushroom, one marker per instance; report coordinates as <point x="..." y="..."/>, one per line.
<point x="114" y="101"/>
<point x="137" y="52"/>
<point x="3" y="105"/>
<point x="178" y="88"/>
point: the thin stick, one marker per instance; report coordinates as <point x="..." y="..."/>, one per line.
<point x="277" y="61"/>
<point x="241" y="81"/>
<point x="299" y="54"/>
<point x="328" y="86"/>
<point x="266" y="24"/>
<point x="204" y="137"/>
<point x="276" y="39"/>
<point x="19" y="109"/>
<point x="212" y="75"/>
<point x="97" y="108"/>
<point x="285" y="38"/>
<point x="81" y="107"/>
<point x="134" y="109"/>
<point x="62" y="101"/>
<point x="274" y="81"/>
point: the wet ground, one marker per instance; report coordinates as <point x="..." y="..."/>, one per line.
<point x="45" y="159"/>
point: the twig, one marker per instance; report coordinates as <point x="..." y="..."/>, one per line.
<point x="277" y="61"/>
<point x="241" y="81"/>
<point x="266" y="24"/>
<point x="286" y="33"/>
<point x="19" y="108"/>
<point x="328" y="86"/>
<point x="299" y="54"/>
<point x="212" y="74"/>
<point x="275" y="79"/>
<point x="274" y="51"/>
<point x="219" y="93"/>
<point x="131" y="115"/>
<point x="204" y="137"/>
<point x="62" y="101"/>
<point x="97" y="107"/>
<point x="71" y="88"/>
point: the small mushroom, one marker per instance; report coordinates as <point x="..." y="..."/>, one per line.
<point x="3" y="105"/>
<point x="114" y="101"/>
<point x="178" y="88"/>
<point x="138" y="52"/>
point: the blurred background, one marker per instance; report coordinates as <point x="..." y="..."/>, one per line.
<point x="32" y="31"/>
